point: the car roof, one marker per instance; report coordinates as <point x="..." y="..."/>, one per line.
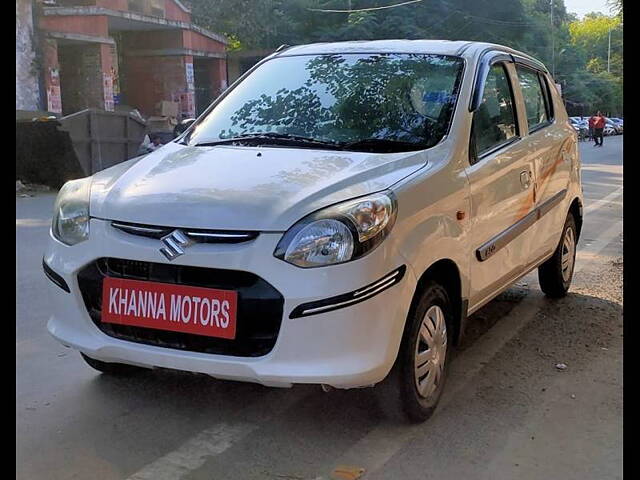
<point x="436" y="47"/>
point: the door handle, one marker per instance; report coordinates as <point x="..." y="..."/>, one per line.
<point x="525" y="179"/>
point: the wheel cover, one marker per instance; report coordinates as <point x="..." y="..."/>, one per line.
<point x="568" y="254"/>
<point x="430" y="352"/>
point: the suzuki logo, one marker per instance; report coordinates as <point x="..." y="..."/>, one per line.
<point x="174" y="244"/>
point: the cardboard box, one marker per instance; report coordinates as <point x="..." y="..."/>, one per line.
<point x="167" y="109"/>
<point x="161" y="124"/>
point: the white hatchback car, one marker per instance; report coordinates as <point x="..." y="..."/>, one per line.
<point x="333" y="218"/>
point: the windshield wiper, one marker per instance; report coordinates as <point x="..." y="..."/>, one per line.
<point x="383" y="145"/>
<point x="378" y="145"/>
<point x="273" y="139"/>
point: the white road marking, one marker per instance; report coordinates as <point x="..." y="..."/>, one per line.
<point x="603" y="201"/>
<point x="213" y="441"/>
<point x="32" y="222"/>
<point x="192" y="454"/>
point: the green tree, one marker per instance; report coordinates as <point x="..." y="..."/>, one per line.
<point x="576" y="50"/>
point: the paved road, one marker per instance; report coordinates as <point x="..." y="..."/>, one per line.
<point x="507" y="411"/>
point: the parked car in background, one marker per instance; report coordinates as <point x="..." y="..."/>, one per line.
<point x="581" y="128"/>
<point x="341" y="239"/>
<point x="619" y="123"/>
<point x="614" y="126"/>
<point x="609" y="130"/>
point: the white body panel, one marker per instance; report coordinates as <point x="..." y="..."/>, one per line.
<point x="447" y="209"/>
<point x="345" y="348"/>
<point x="235" y="189"/>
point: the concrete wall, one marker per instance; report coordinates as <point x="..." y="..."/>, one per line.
<point x="174" y="12"/>
<point x="171" y="10"/>
<point x="27" y="71"/>
<point x="94" y="25"/>
<point x="197" y="41"/>
<point x="151" y="40"/>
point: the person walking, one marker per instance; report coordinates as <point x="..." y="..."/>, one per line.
<point x="598" y="128"/>
<point x="591" y="136"/>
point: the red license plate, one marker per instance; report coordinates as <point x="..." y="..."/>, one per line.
<point x="164" y="306"/>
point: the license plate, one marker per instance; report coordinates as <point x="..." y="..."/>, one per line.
<point x="164" y="306"/>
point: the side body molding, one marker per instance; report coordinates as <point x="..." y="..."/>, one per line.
<point x="489" y="248"/>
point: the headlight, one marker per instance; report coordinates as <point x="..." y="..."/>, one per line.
<point x="339" y="233"/>
<point x="71" y="212"/>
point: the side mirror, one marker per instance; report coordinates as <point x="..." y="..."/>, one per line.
<point x="182" y="126"/>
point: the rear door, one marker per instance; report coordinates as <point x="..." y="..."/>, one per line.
<point x="501" y="179"/>
<point x="549" y="141"/>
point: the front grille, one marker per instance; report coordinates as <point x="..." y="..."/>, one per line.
<point x="259" y="312"/>
<point x="195" y="235"/>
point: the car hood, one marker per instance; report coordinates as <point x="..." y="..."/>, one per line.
<point x="240" y="188"/>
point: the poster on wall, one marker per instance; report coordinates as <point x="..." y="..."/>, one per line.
<point x="186" y="104"/>
<point x="54" y="97"/>
<point x="107" y="87"/>
<point x="190" y="77"/>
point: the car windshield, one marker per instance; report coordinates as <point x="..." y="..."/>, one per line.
<point x="353" y="101"/>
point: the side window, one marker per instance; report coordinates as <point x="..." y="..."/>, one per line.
<point x="494" y="121"/>
<point x="535" y="101"/>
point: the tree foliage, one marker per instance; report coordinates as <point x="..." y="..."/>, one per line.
<point x="575" y="50"/>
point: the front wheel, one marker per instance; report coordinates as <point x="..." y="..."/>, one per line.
<point x="417" y="378"/>
<point x="555" y="274"/>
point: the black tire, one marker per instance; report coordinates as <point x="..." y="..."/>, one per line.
<point x="112" y="368"/>
<point x="550" y="274"/>
<point x="398" y="394"/>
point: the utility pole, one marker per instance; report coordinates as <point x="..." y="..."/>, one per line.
<point x="609" y="53"/>
<point x="553" y="47"/>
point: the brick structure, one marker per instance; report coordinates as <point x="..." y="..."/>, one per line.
<point x="81" y="72"/>
<point x="98" y="53"/>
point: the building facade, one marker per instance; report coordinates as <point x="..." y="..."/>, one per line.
<point x="132" y="53"/>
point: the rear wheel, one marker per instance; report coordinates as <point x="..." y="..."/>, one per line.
<point x="555" y="274"/>
<point x="111" y="368"/>
<point x="415" y="384"/>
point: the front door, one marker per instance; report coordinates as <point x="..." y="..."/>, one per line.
<point x="501" y="177"/>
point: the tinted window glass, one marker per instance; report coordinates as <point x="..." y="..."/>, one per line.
<point x="341" y="98"/>
<point x="494" y="121"/>
<point x="534" y="101"/>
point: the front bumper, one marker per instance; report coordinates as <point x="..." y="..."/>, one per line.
<point x="347" y="347"/>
